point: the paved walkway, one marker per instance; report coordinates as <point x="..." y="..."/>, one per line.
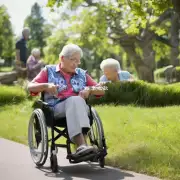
<point x="16" y="164"/>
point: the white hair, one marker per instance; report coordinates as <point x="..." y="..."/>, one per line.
<point x="110" y="62"/>
<point x="25" y="29"/>
<point x="35" y="52"/>
<point x="70" y="49"/>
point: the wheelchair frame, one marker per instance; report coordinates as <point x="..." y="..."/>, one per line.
<point x="50" y="121"/>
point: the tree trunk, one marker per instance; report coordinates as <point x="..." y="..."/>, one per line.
<point x="145" y="73"/>
<point x="8" y="77"/>
<point x="144" y="65"/>
<point x="175" y="39"/>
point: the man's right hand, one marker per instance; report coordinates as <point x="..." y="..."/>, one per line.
<point x="52" y="89"/>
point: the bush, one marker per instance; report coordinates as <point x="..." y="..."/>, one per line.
<point x="178" y="73"/>
<point x="11" y="94"/>
<point x="159" y="73"/>
<point x="139" y="93"/>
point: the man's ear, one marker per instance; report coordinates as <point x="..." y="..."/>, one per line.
<point x="61" y="59"/>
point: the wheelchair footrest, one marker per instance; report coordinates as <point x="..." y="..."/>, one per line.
<point x="78" y="159"/>
<point x="88" y="157"/>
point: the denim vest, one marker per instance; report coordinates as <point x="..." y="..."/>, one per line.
<point x="78" y="82"/>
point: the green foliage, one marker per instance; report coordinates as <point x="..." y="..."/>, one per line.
<point x="6" y="35"/>
<point x="39" y="31"/>
<point x="159" y="73"/>
<point x="139" y="93"/>
<point x="110" y="28"/>
<point x="86" y="31"/>
<point x="6" y="69"/>
<point x="162" y="50"/>
<point x="51" y="3"/>
<point x="178" y="73"/>
<point x="11" y="95"/>
<point x="55" y="44"/>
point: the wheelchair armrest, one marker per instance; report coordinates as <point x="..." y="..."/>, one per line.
<point x="40" y="104"/>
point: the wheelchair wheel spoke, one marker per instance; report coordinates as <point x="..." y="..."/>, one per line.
<point x="38" y="137"/>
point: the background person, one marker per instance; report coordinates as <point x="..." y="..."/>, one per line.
<point x="112" y="72"/>
<point x="21" y="48"/>
<point x="34" y="64"/>
<point x="21" y="53"/>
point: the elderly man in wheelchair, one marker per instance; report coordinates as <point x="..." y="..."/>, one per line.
<point x="64" y="91"/>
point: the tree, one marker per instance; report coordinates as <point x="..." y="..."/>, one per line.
<point x="6" y="36"/>
<point x="39" y="31"/>
<point x="55" y="43"/>
<point x="136" y="26"/>
<point x="90" y="36"/>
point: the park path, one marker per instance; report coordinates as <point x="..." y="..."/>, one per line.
<point x="16" y="164"/>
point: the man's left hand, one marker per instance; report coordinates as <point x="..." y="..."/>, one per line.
<point x="84" y="94"/>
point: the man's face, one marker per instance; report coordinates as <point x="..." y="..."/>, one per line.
<point x="72" y="62"/>
<point x="37" y="55"/>
<point x="26" y="35"/>
<point x="110" y="72"/>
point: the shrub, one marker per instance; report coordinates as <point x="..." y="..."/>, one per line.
<point x="178" y="73"/>
<point x="159" y="73"/>
<point x="11" y="94"/>
<point x="139" y="93"/>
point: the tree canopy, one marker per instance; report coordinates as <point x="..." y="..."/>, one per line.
<point x="142" y="31"/>
<point x="6" y="35"/>
<point x="39" y="29"/>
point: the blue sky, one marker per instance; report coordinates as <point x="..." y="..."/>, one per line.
<point x="20" y="9"/>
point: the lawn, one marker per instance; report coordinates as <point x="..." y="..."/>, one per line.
<point x="144" y="140"/>
<point x="6" y="69"/>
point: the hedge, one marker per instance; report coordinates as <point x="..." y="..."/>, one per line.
<point x="159" y="73"/>
<point x="120" y="93"/>
<point x="11" y="94"/>
<point x="139" y="93"/>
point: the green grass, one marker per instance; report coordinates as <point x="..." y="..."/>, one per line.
<point x="145" y="140"/>
<point x="11" y="94"/>
<point x="6" y="69"/>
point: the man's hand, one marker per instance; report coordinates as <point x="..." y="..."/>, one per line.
<point x="41" y="62"/>
<point x="131" y="79"/>
<point x="84" y="94"/>
<point x="102" y="83"/>
<point x="52" y="89"/>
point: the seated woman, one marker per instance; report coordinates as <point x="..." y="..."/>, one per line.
<point x="112" y="72"/>
<point x="34" y="64"/>
<point x="69" y="85"/>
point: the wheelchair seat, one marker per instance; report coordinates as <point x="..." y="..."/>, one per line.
<point x="58" y="121"/>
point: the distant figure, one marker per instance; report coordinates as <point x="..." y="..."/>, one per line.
<point x="21" y="48"/>
<point x="34" y="64"/>
<point x="21" y="53"/>
<point x="112" y="72"/>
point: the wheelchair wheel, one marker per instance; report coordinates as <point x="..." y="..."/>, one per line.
<point x="102" y="162"/>
<point x="96" y="136"/>
<point x="54" y="163"/>
<point x="38" y="137"/>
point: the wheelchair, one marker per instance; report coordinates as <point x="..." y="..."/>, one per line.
<point x="42" y="119"/>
